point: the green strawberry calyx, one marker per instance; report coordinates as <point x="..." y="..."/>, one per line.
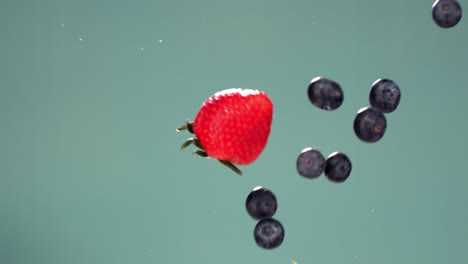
<point x="201" y="152"/>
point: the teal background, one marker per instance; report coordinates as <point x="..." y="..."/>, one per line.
<point x="91" y="93"/>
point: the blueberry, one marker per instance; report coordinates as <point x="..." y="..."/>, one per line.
<point x="269" y="233"/>
<point x="370" y="124"/>
<point x="325" y="94"/>
<point x="384" y="95"/>
<point x="310" y="163"/>
<point x="261" y="203"/>
<point x="446" y="13"/>
<point x="338" y="167"/>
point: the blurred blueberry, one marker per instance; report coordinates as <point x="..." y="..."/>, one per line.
<point x="384" y="95"/>
<point x="310" y="163"/>
<point x="370" y="124"/>
<point x="338" y="167"/>
<point x="325" y="94"/>
<point x="261" y="203"/>
<point x="269" y="233"/>
<point x="446" y="13"/>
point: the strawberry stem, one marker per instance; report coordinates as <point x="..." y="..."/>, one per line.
<point x="231" y="166"/>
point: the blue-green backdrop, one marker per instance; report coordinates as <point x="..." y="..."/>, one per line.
<point x="91" y="92"/>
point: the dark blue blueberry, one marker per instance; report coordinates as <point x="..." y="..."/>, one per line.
<point x="370" y="124"/>
<point x="310" y="163"/>
<point x="269" y="233"/>
<point x="384" y="95"/>
<point x="325" y="94"/>
<point x="446" y="13"/>
<point x="261" y="203"/>
<point x="338" y="167"/>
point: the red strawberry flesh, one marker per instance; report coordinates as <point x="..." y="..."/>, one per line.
<point x="234" y="125"/>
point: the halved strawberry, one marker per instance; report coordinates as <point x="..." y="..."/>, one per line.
<point x="232" y="126"/>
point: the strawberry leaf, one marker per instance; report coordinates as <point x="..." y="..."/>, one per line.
<point x="231" y="166"/>
<point x="187" y="143"/>
<point x="187" y="126"/>
<point x="200" y="153"/>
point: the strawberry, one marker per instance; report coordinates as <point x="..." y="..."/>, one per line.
<point x="232" y="126"/>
